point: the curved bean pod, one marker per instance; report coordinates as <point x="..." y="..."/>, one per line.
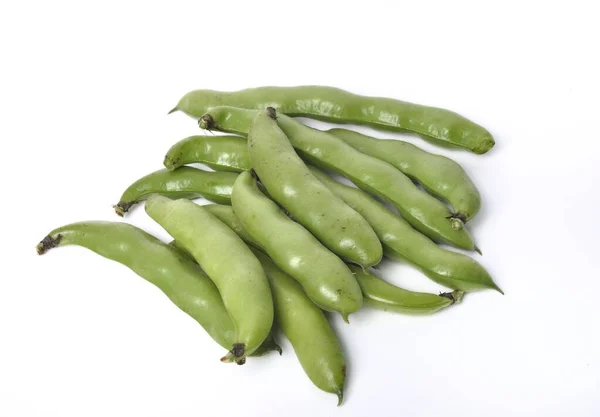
<point x="174" y="274"/>
<point x="338" y="106"/>
<point x="400" y="241"/>
<point x="324" y="276"/>
<point x="290" y="183"/>
<point x="377" y="293"/>
<point x="236" y="272"/>
<point x="221" y="153"/>
<point x="384" y="296"/>
<point x="306" y="327"/>
<point x="423" y="211"/>
<point x="440" y="176"/>
<point x="185" y="182"/>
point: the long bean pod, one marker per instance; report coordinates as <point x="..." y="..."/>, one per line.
<point x="178" y="277"/>
<point x="338" y="106"/>
<point x="423" y="211"/>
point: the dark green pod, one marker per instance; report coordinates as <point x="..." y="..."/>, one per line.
<point x="184" y="182"/>
<point x="338" y="106"/>
<point x="382" y="295"/>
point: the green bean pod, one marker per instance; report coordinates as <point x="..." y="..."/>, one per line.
<point x="400" y="241"/>
<point x="174" y="274"/>
<point x="290" y="183"/>
<point x="324" y="276"/>
<point x="236" y="271"/>
<point x="306" y="327"/>
<point x="382" y="295"/>
<point x="440" y="176"/>
<point x="185" y="182"/>
<point x="221" y="153"/>
<point x="377" y="293"/>
<point x="423" y="211"/>
<point x="338" y="106"/>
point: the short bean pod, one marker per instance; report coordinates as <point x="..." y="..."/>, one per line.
<point x="338" y="106"/>
<point x="423" y="211"/>
<point x="221" y="153"/>
<point x="236" y="272"/>
<point x="440" y="176"/>
<point x="173" y="273"/>
<point x="185" y="182"/>
<point x="382" y="295"/>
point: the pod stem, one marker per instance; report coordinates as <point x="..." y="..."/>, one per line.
<point x="236" y="354"/>
<point x="206" y="122"/>
<point x="457" y="221"/>
<point x="272" y="113"/>
<point x="123" y="207"/>
<point x="455" y="296"/>
<point x="48" y="243"/>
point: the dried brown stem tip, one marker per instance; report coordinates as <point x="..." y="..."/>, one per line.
<point x="123" y="207"/>
<point x="206" y="122"/>
<point x="272" y="113"/>
<point x="238" y="350"/>
<point x="48" y="243"/>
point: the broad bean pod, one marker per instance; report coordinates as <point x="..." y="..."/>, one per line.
<point x="338" y="106"/>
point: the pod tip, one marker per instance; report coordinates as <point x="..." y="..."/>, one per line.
<point x="345" y="317"/>
<point x="486" y="143"/>
<point x="476" y="249"/>
<point x="340" y="395"/>
<point x="173" y="110"/>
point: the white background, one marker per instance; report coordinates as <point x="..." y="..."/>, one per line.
<point x="85" y="88"/>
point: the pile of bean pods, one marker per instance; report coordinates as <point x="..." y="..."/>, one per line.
<point x="284" y="240"/>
